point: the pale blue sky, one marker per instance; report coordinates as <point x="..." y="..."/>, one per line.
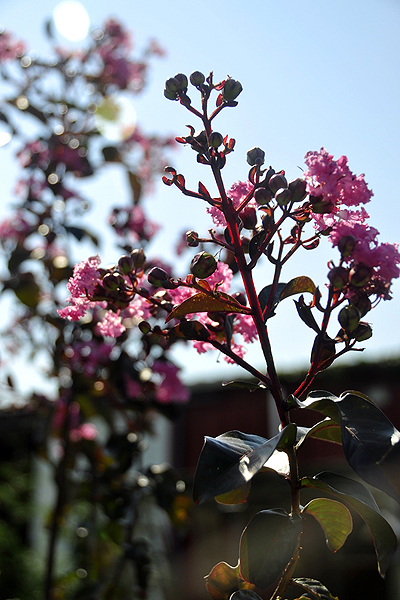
<point x="314" y="73"/>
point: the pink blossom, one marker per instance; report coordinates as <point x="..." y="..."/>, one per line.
<point x="171" y="388"/>
<point x="89" y="356"/>
<point x="334" y="180"/>
<point x="116" y="35"/>
<point x="84" y="278"/>
<point x="237" y="193"/>
<point x="86" y="431"/>
<point x="132" y="222"/>
<point x="16" y="228"/>
<point x="110" y="326"/>
<point x="10" y="48"/>
<point x="133" y="388"/>
<point x="139" y="308"/>
<point x="242" y="324"/>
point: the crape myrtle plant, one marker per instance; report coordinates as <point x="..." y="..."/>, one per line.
<point x="91" y="429"/>
<point x="267" y="218"/>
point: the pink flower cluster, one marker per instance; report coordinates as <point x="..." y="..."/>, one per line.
<point x="133" y="223"/>
<point x="88" y="356"/>
<point x="170" y="388"/>
<point x="16" y="228"/>
<point x="334" y="181"/>
<point x="81" y="287"/>
<point x="242" y="324"/>
<point x="117" y="67"/>
<point x="10" y="48"/>
<point x="237" y="194"/>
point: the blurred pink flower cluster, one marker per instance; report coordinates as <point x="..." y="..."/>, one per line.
<point x="9" y="47"/>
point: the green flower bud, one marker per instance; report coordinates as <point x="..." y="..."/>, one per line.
<point x="203" y="265"/>
<point x="215" y="139"/>
<point x="360" y="275"/>
<point x="362" y="332"/>
<point x="144" y="327"/>
<point x="339" y="277"/>
<point x="298" y="188"/>
<point x="231" y="89"/>
<point x="349" y="318"/>
<point x="262" y="196"/>
<point x="197" y="78"/>
<point x="182" y="82"/>
<point x="276" y="182"/>
<point x="363" y="303"/>
<point x="346" y="245"/>
<point x="255" y="156"/>
<point x="139" y="258"/>
<point x="172" y="84"/>
<point x="192" y="238"/>
<point x="283" y="196"/>
<point x="158" y="277"/>
<point x="112" y="281"/>
<point x="170" y="95"/>
<point x="126" y="265"/>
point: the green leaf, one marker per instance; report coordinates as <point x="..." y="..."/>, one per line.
<point x="237" y="496"/>
<point x="267" y="545"/>
<point x="370" y="441"/>
<point x="313" y="588"/>
<point x="203" y="302"/>
<point x="327" y="430"/>
<point x="245" y="595"/>
<point x="357" y="496"/>
<point x="334" y="518"/>
<point x="230" y="460"/>
<point x="284" y="290"/>
<point x="223" y="580"/>
<point x="136" y="186"/>
<point x="298" y="285"/>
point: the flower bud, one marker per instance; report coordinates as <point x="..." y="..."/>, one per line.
<point x="144" y="327"/>
<point x="203" y="265"/>
<point x="215" y="139"/>
<point x="192" y="238"/>
<point x="231" y="89"/>
<point x="182" y="82"/>
<point x="320" y="206"/>
<point x="249" y="217"/>
<point x="283" y="196"/>
<point x="298" y="187"/>
<point x="158" y="277"/>
<point x="339" y="277"/>
<point x="172" y="84"/>
<point x="277" y="182"/>
<point x="197" y="78"/>
<point x="262" y="196"/>
<point x="139" y="258"/>
<point x="112" y="281"/>
<point x="363" y="303"/>
<point x="126" y="265"/>
<point x="240" y="297"/>
<point x="255" y="156"/>
<point x="362" y="332"/>
<point x="349" y="318"/>
<point x="170" y="95"/>
<point x="360" y="275"/>
<point x="346" y="245"/>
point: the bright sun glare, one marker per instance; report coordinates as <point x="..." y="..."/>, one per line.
<point x="71" y="20"/>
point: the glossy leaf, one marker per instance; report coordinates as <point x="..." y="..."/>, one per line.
<point x="237" y="496"/>
<point x="245" y="595"/>
<point x="334" y="518"/>
<point x="267" y="545"/>
<point x="356" y="495"/>
<point x="256" y="242"/>
<point x="203" y="302"/>
<point x="375" y="458"/>
<point x="230" y="460"/>
<point x="251" y="387"/>
<point x="305" y="314"/>
<point x="298" y="285"/>
<point x="314" y="589"/>
<point x="223" y="580"/>
<point x="285" y="290"/>
<point x="326" y="354"/>
<point x="328" y="430"/>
